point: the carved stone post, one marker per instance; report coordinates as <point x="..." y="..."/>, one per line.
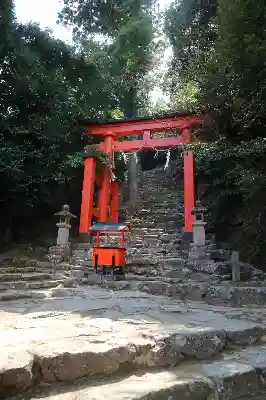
<point x="235" y="267"/>
<point x="199" y="237"/>
<point x="64" y="225"/>
<point x="198" y="247"/>
<point x="62" y="250"/>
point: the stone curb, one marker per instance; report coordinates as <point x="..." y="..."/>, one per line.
<point x="196" y="291"/>
<point x="78" y="357"/>
<point x="237" y="375"/>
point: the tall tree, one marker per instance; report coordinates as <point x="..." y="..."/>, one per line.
<point x="45" y="86"/>
<point x="222" y="55"/>
<point x="127" y="29"/>
<point x="126" y="26"/>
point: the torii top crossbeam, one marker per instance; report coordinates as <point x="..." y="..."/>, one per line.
<point x="183" y="122"/>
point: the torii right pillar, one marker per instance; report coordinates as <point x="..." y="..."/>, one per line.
<point x="189" y="188"/>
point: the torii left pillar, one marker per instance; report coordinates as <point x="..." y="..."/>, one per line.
<point x="189" y="188"/>
<point x="105" y="191"/>
<point x="87" y="194"/>
<point x="114" y="203"/>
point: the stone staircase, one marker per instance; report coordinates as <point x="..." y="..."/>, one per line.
<point x="26" y="277"/>
<point x="174" y="329"/>
<point x="158" y="261"/>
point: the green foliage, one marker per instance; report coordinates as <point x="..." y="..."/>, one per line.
<point x="45" y="87"/>
<point x="192" y="30"/>
<point x="102" y="17"/>
<point x="219" y="47"/>
<point x="127" y="31"/>
<point x="219" y="62"/>
<point x="232" y="170"/>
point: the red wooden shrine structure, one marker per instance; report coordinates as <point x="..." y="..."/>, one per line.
<point x="106" y="209"/>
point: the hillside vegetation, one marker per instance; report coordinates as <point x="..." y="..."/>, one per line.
<point x="218" y="63"/>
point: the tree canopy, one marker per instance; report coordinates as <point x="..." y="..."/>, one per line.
<point x="45" y="87"/>
<point x="126" y="28"/>
<point x="219" y="63"/>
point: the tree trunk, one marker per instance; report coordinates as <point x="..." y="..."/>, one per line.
<point x="132" y="159"/>
<point x="132" y="168"/>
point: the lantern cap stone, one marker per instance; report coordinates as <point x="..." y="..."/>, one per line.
<point x="199" y="208"/>
<point x="65" y="212"/>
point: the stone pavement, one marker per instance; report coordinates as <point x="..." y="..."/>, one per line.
<point x="156" y="262"/>
<point x="171" y="330"/>
<point x="96" y="333"/>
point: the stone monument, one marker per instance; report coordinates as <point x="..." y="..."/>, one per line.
<point x="198" y="247"/>
<point x="64" y="225"/>
<point x="61" y="252"/>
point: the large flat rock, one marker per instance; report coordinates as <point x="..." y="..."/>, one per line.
<point x="99" y="332"/>
<point x="9" y="295"/>
<point x="160" y="386"/>
<point x="202" y="288"/>
<point x="236" y="375"/>
<point x="228" y="294"/>
<point x="4" y="277"/>
<point x="29" y="285"/>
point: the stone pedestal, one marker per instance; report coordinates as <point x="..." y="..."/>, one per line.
<point x="59" y="253"/>
<point x="199" y="238"/>
<point x="63" y="233"/>
<point x="197" y="249"/>
<point x="236" y="275"/>
<point x="198" y="252"/>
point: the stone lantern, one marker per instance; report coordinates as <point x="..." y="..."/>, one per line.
<point x="64" y="225"/>
<point x="199" y="224"/>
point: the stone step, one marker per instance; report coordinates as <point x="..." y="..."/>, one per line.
<point x="236" y="296"/>
<point x="147" y="229"/>
<point x="160" y="212"/>
<point x="81" y="252"/>
<point x="10" y="295"/>
<point x="155" y="215"/>
<point x="156" y="219"/>
<point x="237" y="375"/>
<point x="179" y="286"/>
<point x="19" y="270"/>
<point x="55" y="343"/>
<point x="24" y="285"/>
<point x="82" y="246"/>
<point x="34" y="276"/>
<point x="137" y="237"/>
<point x="160" y="222"/>
<point x="171" y="205"/>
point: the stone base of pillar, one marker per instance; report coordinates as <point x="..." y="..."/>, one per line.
<point x="59" y="253"/>
<point x="198" y="252"/>
<point x="63" y="233"/>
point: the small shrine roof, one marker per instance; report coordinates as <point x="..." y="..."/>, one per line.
<point x="109" y="227"/>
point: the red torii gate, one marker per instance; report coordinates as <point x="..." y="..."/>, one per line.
<point x="108" y="200"/>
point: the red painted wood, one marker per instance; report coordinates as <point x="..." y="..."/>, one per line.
<point x="87" y="194"/>
<point x="98" y="180"/>
<point x="189" y="190"/>
<point x="105" y="256"/>
<point x="106" y="179"/>
<point x="135" y="145"/>
<point x="110" y="145"/>
<point x="114" y="204"/>
<point x="95" y="212"/>
<point x="125" y="128"/>
<point x="189" y="184"/>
